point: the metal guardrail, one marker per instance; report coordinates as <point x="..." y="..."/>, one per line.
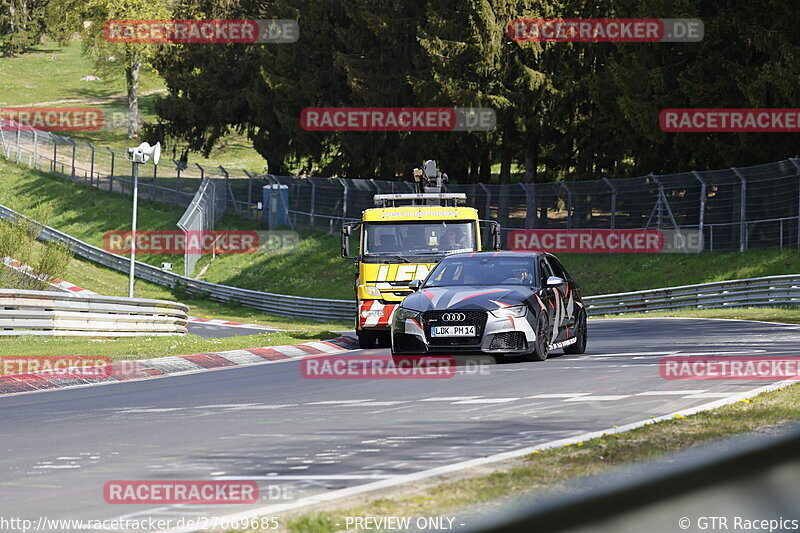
<point x="764" y="291"/>
<point x="68" y="314"/>
<point x="747" y="476"/>
<point x="276" y="304"/>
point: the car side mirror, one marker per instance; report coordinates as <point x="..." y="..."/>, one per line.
<point x="555" y="282"/>
<point x="414" y="284"/>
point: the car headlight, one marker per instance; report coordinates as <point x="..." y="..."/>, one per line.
<point x="405" y="314"/>
<point x="372" y="291"/>
<point x="515" y="311"/>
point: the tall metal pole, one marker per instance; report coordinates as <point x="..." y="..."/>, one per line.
<point x="133" y="226"/>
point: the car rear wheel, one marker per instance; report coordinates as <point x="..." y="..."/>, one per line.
<point x="542" y="345"/>
<point x="580" y="333"/>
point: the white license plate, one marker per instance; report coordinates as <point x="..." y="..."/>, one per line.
<point x="453" y="331"/>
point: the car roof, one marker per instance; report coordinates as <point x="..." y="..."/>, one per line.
<point x="498" y="253"/>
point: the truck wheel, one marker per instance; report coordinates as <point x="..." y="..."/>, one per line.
<point x="384" y="340"/>
<point x="366" y="339"/>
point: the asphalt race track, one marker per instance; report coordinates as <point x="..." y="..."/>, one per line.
<point x="300" y="437"/>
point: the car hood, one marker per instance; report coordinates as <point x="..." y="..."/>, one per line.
<point x="467" y="297"/>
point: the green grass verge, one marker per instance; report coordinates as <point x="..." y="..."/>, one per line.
<point x="552" y="469"/>
<point x="150" y="347"/>
<point x="786" y="315"/>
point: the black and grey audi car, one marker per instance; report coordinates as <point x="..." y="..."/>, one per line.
<point x="524" y="304"/>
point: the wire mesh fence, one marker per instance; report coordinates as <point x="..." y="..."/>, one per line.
<point x="203" y="213"/>
<point x="734" y="209"/>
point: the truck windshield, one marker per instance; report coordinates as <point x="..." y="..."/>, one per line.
<point x="419" y="238"/>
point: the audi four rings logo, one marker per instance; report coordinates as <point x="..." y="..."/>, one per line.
<point x="454" y="317"/>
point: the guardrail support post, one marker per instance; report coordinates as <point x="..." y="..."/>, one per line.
<point x="742" y="211"/>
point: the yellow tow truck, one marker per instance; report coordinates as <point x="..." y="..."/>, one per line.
<point x="401" y="240"/>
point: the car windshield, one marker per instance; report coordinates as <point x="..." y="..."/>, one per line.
<point x="421" y="238"/>
<point x="483" y="271"/>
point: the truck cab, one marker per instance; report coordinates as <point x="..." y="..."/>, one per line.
<point x="401" y="240"/>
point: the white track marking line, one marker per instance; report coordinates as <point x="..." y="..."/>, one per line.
<point x="559" y="395"/>
<point x="670" y="392"/>
<point x="340" y="402"/>
<point x="486" y="400"/>
<point x="380" y="404"/>
<point x="598" y="398"/>
<point x="309" y="477"/>
<point x="709" y="395"/>
<point x="449" y="398"/>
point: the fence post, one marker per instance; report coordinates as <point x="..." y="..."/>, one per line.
<point x="344" y="199"/>
<point x="313" y="204"/>
<point x="742" y="212"/>
<point x="530" y="205"/>
<point x="111" y="176"/>
<point x="35" y="148"/>
<point x="797" y="166"/>
<point x="91" y="168"/>
<point x="569" y="204"/>
<point x="55" y="150"/>
<point x="153" y="185"/>
<point x="702" y="218"/>
<point x="230" y="191"/>
<point x="18" y="141"/>
<point x="73" y="158"/>
<point x="613" y="202"/>
<point x="488" y="200"/>
<point x="249" y="192"/>
<point x="178" y="168"/>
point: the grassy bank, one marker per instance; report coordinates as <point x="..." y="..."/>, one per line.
<point x="150" y="347"/>
<point x="552" y="469"/>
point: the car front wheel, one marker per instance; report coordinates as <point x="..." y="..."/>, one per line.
<point x="542" y="344"/>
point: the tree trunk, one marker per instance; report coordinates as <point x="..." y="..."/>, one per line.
<point x="132" y="79"/>
<point x="505" y="169"/>
<point x="11" y="27"/>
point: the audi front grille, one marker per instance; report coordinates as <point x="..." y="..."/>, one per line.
<point x="470" y="318"/>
